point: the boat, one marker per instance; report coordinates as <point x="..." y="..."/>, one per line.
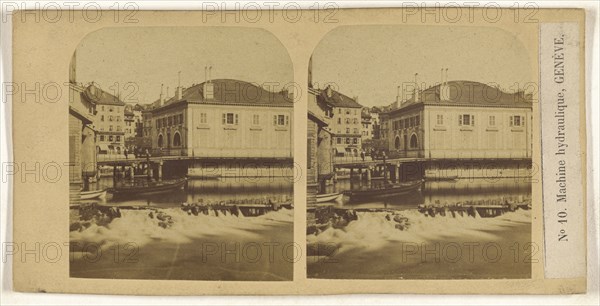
<point x="385" y="191"/>
<point x="147" y="187"/>
<point x="93" y="194"/>
<point x="329" y="197"/>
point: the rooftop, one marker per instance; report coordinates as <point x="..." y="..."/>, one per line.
<point x="96" y="95"/>
<point x="231" y="92"/>
<point x="336" y="99"/>
<point x="470" y="93"/>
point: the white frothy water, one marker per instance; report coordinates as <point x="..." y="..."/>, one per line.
<point x="373" y="231"/>
<point x="135" y="226"/>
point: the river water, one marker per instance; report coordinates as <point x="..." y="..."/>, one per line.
<point x="431" y="247"/>
<point x="203" y="247"/>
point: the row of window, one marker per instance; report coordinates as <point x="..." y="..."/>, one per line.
<point x="110" y="138"/>
<point x="233" y="119"/>
<point x="110" y="128"/>
<point x="469" y="120"/>
<point x="348" y="111"/>
<point x="406" y="123"/>
<point x="110" y="118"/>
<point x="176" y="141"/>
<point x="348" y="121"/>
<point x="169" y="121"/>
<point x="463" y="120"/>
<point x="354" y="130"/>
<point x="110" y="108"/>
<point x="348" y="140"/>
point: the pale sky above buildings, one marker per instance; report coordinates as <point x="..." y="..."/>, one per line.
<point x="151" y="56"/>
<point x="369" y="62"/>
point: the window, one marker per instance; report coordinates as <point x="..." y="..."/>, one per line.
<point x="102" y="118"/>
<point x="118" y="118"/>
<point x="110" y="138"/>
<point x="466" y="119"/>
<point x="355" y="120"/>
<point x="281" y="120"/>
<point x="160" y="141"/>
<point x="347" y="130"/>
<point x="339" y="140"/>
<point x="413" y="141"/>
<point x="169" y="121"/>
<point x="110" y="109"/>
<point x="180" y="118"/>
<point x="177" y="140"/>
<point x="412" y="121"/>
<point x="355" y="131"/>
<point x="118" y="138"/>
<point x="255" y="119"/>
<point x="164" y="121"/>
<point x="347" y="120"/>
<point x="355" y="140"/>
<point x="417" y="120"/>
<point x="517" y="121"/>
<point x="110" y="118"/>
<point x="339" y="120"/>
<point x="440" y="119"/>
<point x="492" y="121"/>
<point x="347" y="112"/>
<point x="101" y="137"/>
<point x="203" y="118"/>
<point x="339" y="110"/>
<point x="347" y="140"/>
<point x="158" y="123"/>
<point x="230" y="118"/>
<point x="110" y="128"/>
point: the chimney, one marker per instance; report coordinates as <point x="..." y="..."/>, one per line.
<point x="416" y="94"/>
<point x="329" y="91"/>
<point x="161" y="100"/>
<point x="209" y="90"/>
<point x="179" y="91"/>
<point x="443" y="88"/>
<point x="399" y="95"/>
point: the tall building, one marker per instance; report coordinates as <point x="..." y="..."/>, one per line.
<point x="130" y="124"/>
<point x="319" y="146"/>
<point x="375" y="122"/>
<point x="461" y="120"/>
<point x="223" y="118"/>
<point x="82" y="147"/>
<point x="366" y="124"/>
<point x="109" y="121"/>
<point x="345" y="122"/>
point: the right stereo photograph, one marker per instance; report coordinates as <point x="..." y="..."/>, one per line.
<point x="420" y="154"/>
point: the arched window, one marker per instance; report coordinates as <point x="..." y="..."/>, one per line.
<point x="413" y="141"/>
<point x="160" y="140"/>
<point x="176" y="140"/>
<point x="397" y="143"/>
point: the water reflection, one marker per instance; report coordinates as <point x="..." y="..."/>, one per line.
<point x="209" y="190"/>
<point x="441" y="192"/>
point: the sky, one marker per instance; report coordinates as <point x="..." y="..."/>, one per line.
<point x="151" y="56"/>
<point x="370" y="62"/>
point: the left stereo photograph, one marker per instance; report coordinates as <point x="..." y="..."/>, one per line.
<point x="180" y="141"/>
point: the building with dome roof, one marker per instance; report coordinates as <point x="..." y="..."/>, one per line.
<point x="461" y="119"/>
<point x="223" y="118"/>
<point x="460" y="129"/>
